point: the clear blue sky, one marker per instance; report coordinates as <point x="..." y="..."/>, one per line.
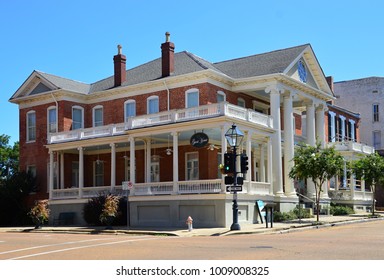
<point x="77" y="39"/>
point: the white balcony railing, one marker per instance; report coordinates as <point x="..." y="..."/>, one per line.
<point x="162" y="118"/>
<point x="159" y="188"/>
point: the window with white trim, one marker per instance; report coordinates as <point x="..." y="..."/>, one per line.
<point x="98" y="172"/>
<point x="77" y="117"/>
<point x="332" y="126"/>
<point x="75" y="174"/>
<point x="129" y="109"/>
<point x="153" y="105"/>
<point x="31" y="126"/>
<point x="221" y="97"/>
<point x="241" y="102"/>
<point x="376" y="139"/>
<point x="192" y="166"/>
<point x="192" y="98"/>
<point x="52" y="119"/>
<point x="31" y="170"/>
<point x="98" y="116"/>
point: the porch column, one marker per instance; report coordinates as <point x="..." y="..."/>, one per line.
<point x="249" y="155"/>
<point x="132" y="160"/>
<point x="81" y="171"/>
<point x="320" y="135"/>
<point x="113" y="165"/>
<point x="270" y="166"/>
<point x="51" y="174"/>
<point x="223" y="151"/>
<point x="148" y="161"/>
<point x="62" y="180"/>
<point x="288" y="144"/>
<point x="277" y="167"/>
<point x="175" y="162"/>
<point x="311" y="140"/>
<point x="362" y="185"/>
<point x="320" y="127"/>
<point x="262" y="163"/>
<point x="253" y="162"/>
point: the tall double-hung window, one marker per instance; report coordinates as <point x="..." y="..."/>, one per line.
<point x="31" y="126"/>
<point x="153" y="105"/>
<point x="98" y="116"/>
<point x="375" y="109"/>
<point x="77" y="117"/>
<point x="129" y="109"/>
<point x="52" y="119"/>
<point x="192" y="98"/>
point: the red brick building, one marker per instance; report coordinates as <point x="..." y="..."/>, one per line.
<point x="139" y="128"/>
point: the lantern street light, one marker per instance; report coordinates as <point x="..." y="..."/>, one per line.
<point x="234" y="137"/>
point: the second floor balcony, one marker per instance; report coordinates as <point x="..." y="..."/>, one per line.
<point x="163" y="118"/>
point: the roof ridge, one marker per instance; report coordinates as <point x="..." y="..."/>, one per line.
<point x="265" y="53"/>
<point x="56" y="76"/>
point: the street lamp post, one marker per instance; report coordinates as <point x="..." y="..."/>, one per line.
<point x="234" y="137"/>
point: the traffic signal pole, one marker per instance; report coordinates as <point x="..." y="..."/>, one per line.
<point x="235" y="207"/>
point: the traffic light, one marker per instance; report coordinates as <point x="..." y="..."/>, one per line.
<point x="243" y="163"/>
<point x="229" y="163"/>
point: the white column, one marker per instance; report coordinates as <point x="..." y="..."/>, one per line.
<point x="223" y="151"/>
<point x="253" y="162"/>
<point x="51" y="174"/>
<point x="81" y="171"/>
<point x="262" y="163"/>
<point x="148" y="161"/>
<point x="62" y="180"/>
<point x="277" y="166"/>
<point x="132" y="160"/>
<point x="311" y="140"/>
<point x="175" y="148"/>
<point x="320" y="127"/>
<point x="320" y="135"/>
<point x="249" y="155"/>
<point x="113" y="165"/>
<point x="288" y="144"/>
<point x="270" y="166"/>
<point x="311" y="137"/>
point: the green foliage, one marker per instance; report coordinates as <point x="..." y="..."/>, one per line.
<point x="340" y="210"/>
<point x="9" y="157"/>
<point x="317" y="164"/>
<point x="291" y="215"/>
<point x="370" y="168"/>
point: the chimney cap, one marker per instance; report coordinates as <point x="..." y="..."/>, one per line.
<point x="119" y="47"/>
<point x="167" y="36"/>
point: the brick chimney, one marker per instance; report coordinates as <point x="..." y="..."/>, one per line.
<point x="167" y="56"/>
<point x="330" y="82"/>
<point x="120" y="70"/>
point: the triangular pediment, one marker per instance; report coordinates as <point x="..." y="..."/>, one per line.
<point x="307" y="70"/>
<point x="35" y="84"/>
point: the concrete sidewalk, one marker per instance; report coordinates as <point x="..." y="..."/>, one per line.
<point x="295" y="225"/>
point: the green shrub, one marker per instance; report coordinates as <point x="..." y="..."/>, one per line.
<point x="284" y="216"/>
<point x="94" y="208"/>
<point x="340" y="210"/>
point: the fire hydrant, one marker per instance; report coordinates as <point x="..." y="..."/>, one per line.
<point x="189" y="223"/>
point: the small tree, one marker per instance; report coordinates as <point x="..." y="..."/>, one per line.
<point x="370" y="168"/>
<point x="110" y="209"/>
<point x="318" y="164"/>
<point x="40" y="212"/>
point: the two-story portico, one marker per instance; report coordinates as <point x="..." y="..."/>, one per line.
<point x="135" y="128"/>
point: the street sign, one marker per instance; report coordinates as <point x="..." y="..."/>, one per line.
<point x="234" y="188"/>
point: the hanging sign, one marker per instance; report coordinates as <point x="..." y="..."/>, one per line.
<point x="199" y="140"/>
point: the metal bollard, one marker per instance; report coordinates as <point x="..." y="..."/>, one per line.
<point x="189" y="223"/>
